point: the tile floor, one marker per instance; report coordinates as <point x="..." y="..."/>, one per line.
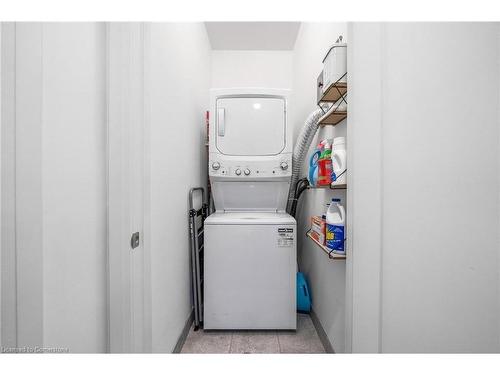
<point x="304" y="340"/>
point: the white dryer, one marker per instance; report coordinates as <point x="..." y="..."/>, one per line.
<point x="250" y="242"/>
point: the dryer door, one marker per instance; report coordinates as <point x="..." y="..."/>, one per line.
<point x="250" y="125"/>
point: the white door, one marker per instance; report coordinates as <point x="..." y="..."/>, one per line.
<point x="70" y="202"/>
<point x="54" y="241"/>
<point x="129" y="307"/>
<point x="250" y="125"/>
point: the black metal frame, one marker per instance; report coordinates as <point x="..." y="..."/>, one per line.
<point x="331" y="251"/>
<point x="342" y="97"/>
<point x="196" y="233"/>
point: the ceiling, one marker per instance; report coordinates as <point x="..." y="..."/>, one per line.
<point x="252" y="35"/>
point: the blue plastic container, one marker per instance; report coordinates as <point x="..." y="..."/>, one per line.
<point x="303" y="296"/>
<point x="313" y="168"/>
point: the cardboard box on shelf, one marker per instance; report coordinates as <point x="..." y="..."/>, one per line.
<point x="318" y="227"/>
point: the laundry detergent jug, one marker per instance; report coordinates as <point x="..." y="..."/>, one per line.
<point x="313" y="168"/>
<point x="325" y="164"/>
<point x="335" y="224"/>
<point x="303" y="296"/>
<point x="339" y="167"/>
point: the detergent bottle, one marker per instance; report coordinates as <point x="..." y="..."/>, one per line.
<point x="338" y="156"/>
<point x="335" y="224"/>
<point x="313" y="168"/>
<point x="325" y="164"/>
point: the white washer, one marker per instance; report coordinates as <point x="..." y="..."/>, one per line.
<point x="250" y="265"/>
<point x="250" y="242"/>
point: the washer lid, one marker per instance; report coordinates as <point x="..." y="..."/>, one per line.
<point x="250" y="218"/>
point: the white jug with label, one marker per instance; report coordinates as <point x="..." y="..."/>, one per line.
<point x="335" y="224"/>
<point x="339" y="167"/>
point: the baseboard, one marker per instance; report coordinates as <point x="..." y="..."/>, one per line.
<point x="321" y="333"/>
<point x="184" y="333"/>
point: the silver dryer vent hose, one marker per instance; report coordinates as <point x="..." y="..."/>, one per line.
<point x="300" y="151"/>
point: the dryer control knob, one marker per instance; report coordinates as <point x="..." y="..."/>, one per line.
<point x="238" y="172"/>
<point x="247" y="172"/>
<point x="284" y="165"/>
<point x="215" y="165"/>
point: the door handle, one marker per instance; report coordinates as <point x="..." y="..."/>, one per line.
<point x="134" y="240"/>
<point x="221" y="122"/>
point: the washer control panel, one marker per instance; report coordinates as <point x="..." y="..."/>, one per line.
<point x="276" y="168"/>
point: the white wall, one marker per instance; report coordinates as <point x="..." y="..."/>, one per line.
<point x="180" y="78"/>
<point x="326" y="278"/>
<point x="271" y="69"/>
<point x="429" y="217"/>
<point x="60" y="207"/>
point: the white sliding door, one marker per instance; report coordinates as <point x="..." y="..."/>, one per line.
<point x="54" y="245"/>
<point x="425" y="181"/>
<point x="130" y="317"/>
<point x="76" y="182"/>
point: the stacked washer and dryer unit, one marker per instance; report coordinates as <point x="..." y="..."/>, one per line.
<point x="250" y="241"/>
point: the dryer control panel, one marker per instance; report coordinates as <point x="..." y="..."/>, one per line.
<point x="281" y="167"/>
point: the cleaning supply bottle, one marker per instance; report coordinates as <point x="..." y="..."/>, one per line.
<point x="303" y="296"/>
<point x="325" y="165"/>
<point x="313" y="168"/>
<point x="335" y="224"/>
<point x="338" y="156"/>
